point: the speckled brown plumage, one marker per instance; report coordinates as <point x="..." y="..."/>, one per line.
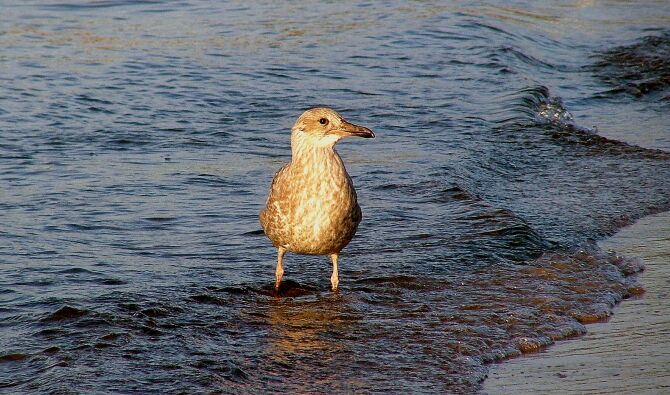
<point x="312" y="207"/>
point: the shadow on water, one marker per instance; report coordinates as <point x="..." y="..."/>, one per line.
<point x="641" y="69"/>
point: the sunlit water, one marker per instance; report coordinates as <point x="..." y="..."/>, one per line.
<point x="138" y="141"/>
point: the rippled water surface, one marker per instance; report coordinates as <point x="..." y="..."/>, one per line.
<point x="138" y="141"/>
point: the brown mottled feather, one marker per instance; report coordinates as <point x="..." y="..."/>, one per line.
<point x="312" y="206"/>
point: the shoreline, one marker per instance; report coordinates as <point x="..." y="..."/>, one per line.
<point x="629" y="353"/>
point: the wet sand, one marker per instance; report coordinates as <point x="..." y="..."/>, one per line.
<point x="628" y="354"/>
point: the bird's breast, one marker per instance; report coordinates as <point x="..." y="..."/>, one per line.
<point x="315" y="207"/>
<point x="326" y="198"/>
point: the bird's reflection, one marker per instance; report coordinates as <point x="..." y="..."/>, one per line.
<point x="306" y="325"/>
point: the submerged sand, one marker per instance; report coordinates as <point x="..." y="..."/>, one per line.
<point x="628" y="354"/>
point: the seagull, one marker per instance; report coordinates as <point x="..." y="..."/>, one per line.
<point x="312" y="207"/>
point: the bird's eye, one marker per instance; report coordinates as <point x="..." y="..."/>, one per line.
<point x="323" y="121"/>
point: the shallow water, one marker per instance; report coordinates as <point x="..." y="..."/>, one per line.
<point x="138" y="141"/>
<point x="628" y="354"/>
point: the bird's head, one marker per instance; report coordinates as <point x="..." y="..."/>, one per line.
<point x="323" y="127"/>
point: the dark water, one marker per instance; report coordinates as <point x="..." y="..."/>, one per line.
<point x="138" y="140"/>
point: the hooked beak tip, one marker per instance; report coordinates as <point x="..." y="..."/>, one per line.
<point x="349" y="129"/>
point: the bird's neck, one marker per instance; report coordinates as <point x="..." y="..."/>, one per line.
<point x="309" y="148"/>
<point x="310" y="155"/>
<point x="315" y="157"/>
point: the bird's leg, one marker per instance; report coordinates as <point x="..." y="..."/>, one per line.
<point x="279" y="272"/>
<point x="334" y="279"/>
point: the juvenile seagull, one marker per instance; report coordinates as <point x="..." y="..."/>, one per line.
<point x="312" y="207"/>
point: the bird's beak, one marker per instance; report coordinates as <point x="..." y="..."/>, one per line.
<point x="349" y="129"/>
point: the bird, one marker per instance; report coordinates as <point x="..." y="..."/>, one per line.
<point x="312" y="207"/>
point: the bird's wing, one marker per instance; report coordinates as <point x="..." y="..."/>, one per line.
<point x="277" y="176"/>
<point x="274" y="187"/>
<point x="357" y="215"/>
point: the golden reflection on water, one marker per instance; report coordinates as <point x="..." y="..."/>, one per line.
<point x="563" y="19"/>
<point x="197" y="36"/>
<point x="298" y="328"/>
<point x="109" y="40"/>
